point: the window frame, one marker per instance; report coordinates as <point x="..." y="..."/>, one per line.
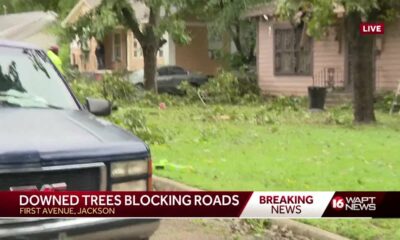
<point x="160" y="71"/>
<point x="114" y="57"/>
<point x="182" y="71"/>
<point x="286" y="26"/>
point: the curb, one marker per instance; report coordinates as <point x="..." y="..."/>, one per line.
<point x="165" y="184"/>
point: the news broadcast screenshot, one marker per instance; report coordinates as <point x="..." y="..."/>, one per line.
<point x="200" y="119"/>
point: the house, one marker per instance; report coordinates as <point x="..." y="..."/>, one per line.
<point x="288" y="61"/>
<point x="122" y="51"/>
<point x="30" y="27"/>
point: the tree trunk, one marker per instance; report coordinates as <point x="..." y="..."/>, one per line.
<point x="150" y="65"/>
<point x="361" y="72"/>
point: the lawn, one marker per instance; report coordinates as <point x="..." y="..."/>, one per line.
<point x="251" y="148"/>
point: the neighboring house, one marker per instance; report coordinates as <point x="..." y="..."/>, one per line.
<point x="123" y="51"/>
<point x="288" y="61"/>
<point x="30" y="27"/>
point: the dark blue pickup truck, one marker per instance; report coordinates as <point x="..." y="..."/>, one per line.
<point x="48" y="139"/>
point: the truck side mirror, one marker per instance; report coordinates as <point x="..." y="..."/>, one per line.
<point x="99" y="107"/>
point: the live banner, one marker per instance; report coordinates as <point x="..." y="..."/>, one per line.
<point x="200" y="204"/>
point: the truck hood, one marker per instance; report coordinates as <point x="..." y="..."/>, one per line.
<point x="53" y="137"/>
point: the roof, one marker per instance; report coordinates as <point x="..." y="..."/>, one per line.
<point x="142" y="12"/>
<point x="19" y="26"/>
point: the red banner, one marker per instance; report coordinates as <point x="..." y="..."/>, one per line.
<point x="123" y="204"/>
<point x="200" y="204"/>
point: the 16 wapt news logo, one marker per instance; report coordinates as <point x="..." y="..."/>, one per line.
<point x="354" y="203"/>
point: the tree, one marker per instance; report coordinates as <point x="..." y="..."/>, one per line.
<point x="61" y="7"/>
<point x="319" y="15"/>
<point x="163" y="17"/>
<point x="226" y="17"/>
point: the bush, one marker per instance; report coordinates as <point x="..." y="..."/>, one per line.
<point x="222" y="89"/>
<point x="384" y="101"/>
<point x="115" y="87"/>
<point x="225" y="88"/>
<point x="248" y="84"/>
<point x="133" y="119"/>
<point x="84" y="88"/>
<point x="282" y="103"/>
<point x="151" y="99"/>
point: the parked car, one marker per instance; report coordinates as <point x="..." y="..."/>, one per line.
<point x="168" y="78"/>
<point x="48" y="137"/>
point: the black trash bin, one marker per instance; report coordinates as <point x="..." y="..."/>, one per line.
<point x="317" y="97"/>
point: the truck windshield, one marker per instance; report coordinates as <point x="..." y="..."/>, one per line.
<point x="28" y="79"/>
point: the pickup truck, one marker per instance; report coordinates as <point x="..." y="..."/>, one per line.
<point x="48" y="140"/>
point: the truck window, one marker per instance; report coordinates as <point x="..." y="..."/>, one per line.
<point x="28" y="79"/>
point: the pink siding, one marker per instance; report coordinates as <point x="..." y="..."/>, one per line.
<point x="326" y="54"/>
<point x="388" y="62"/>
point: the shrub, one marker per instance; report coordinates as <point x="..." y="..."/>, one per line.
<point x="133" y="119"/>
<point x="84" y="88"/>
<point x="116" y="87"/>
<point x="384" y="101"/>
<point x="151" y="99"/>
<point x="282" y="103"/>
<point x="248" y="85"/>
<point x="225" y="88"/>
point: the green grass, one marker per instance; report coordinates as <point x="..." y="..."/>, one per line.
<point x="284" y="151"/>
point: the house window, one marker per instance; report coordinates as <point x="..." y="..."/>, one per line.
<point x="137" y="50"/>
<point x="117" y="46"/>
<point x="293" y="55"/>
<point x="215" y="44"/>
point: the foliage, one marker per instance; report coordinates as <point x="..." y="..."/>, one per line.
<point x="61" y="7"/>
<point x="163" y="17"/>
<point x="319" y="16"/>
<point x="84" y="88"/>
<point x="149" y="99"/>
<point x="226" y="87"/>
<point x="113" y="87"/>
<point x="133" y="120"/>
<point x="116" y="87"/>
<point x="264" y="116"/>
<point x="339" y="116"/>
<point x="225" y="18"/>
<point x="248" y="83"/>
<point x="258" y="225"/>
<point x="285" y="103"/>
<point x="384" y="101"/>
